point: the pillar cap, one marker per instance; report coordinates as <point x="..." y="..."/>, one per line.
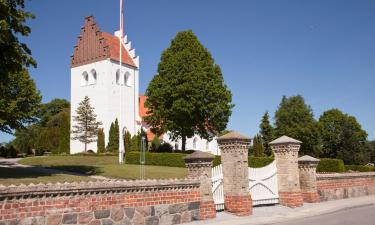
<point x="234" y="135"/>
<point x="308" y="159"/>
<point x="285" y="140"/>
<point x="199" y="156"/>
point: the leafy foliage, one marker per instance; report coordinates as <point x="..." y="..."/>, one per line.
<point x="331" y="165"/>
<point x="101" y="143"/>
<point x="113" y="141"/>
<point x="188" y="96"/>
<point x="127" y="141"/>
<point x="155" y="143"/>
<point x="158" y="159"/>
<point x="295" y="119"/>
<point x="267" y="133"/>
<point x="343" y="137"/>
<point x="85" y="128"/>
<point x="360" y="168"/>
<point x="19" y="98"/>
<point x="52" y="135"/>
<point x="254" y="162"/>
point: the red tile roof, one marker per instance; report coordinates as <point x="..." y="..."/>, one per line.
<point x="142" y="113"/>
<point x="114" y="49"/>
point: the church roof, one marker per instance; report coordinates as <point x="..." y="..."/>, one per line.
<point x="95" y="45"/>
<point x="142" y="108"/>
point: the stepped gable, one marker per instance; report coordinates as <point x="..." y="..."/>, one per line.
<point x="95" y="45"/>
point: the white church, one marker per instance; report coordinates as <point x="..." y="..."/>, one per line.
<point x="95" y="72"/>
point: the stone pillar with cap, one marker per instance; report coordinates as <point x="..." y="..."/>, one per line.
<point x="307" y="178"/>
<point x="285" y="150"/>
<point x="234" y="158"/>
<point x="199" y="166"/>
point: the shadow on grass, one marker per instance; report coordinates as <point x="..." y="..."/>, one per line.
<point x="34" y="172"/>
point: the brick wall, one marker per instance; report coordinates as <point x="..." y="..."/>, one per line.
<point x="102" y="203"/>
<point x="348" y="185"/>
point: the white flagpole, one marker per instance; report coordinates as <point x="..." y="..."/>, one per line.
<point x="121" y="135"/>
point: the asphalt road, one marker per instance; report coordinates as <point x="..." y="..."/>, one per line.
<point x="364" y="215"/>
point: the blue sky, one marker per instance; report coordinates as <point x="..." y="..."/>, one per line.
<point x="323" y="50"/>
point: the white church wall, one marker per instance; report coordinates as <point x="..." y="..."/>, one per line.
<point x="195" y="143"/>
<point x="104" y="96"/>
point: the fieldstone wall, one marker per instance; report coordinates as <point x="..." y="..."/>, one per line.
<point x="348" y="185"/>
<point x="101" y="203"/>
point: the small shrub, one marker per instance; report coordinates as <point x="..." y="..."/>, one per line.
<point x="217" y="161"/>
<point x="331" y="165"/>
<point x="11" y="152"/>
<point x="360" y="168"/>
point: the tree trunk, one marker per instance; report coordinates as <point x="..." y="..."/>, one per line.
<point x="183" y="147"/>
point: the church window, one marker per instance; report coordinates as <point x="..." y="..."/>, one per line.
<point x="84" y="79"/>
<point x="127" y="81"/>
<point x="118" y="77"/>
<point x="93" y="76"/>
<point x="195" y="143"/>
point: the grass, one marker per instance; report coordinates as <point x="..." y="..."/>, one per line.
<point x="104" y="166"/>
<point x="21" y="175"/>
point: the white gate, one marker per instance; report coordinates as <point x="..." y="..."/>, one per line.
<point x="262" y="185"/>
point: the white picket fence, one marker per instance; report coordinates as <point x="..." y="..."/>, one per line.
<point x="262" y="185"/>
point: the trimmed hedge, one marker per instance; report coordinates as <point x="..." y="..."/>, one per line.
<point x="360" y="168"/>
<point x="177" y="159"/>
<point x="158" y="159"/>
<point x="331" y="165"/>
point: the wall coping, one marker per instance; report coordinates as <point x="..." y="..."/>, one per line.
<point x="96" y="187"/>
<point x="338" y="176"/>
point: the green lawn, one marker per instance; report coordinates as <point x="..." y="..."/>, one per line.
<point x="17" y="176"/>
<point x="104" y="166"/>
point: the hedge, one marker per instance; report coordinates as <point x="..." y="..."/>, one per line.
<point x="360" y="168"/>
<point x="177" y="159"/>
<point x="331" y="165"/>
<point x="158" y="159"/>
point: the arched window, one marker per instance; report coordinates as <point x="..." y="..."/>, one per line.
<point x="118" y="77"/>
<point x="127" y="80"/>
<point x="195" y="143"/>
<point x="84" y="79"/>
<point x="93" y="76"/>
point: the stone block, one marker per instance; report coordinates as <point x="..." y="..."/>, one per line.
<point x="144" y="210"/>
<point x="101" y="214"/>
<point x="152" y="220"/>
<point x="85" y="217"/>
<point x="54" y="220"/>
<point x="38" y="220"/>
<point x="193" y="205"/>
<point x="178" y="208"/>
<point x="138" y="219"/>
<point x="129" y="212"/>
<point x="107" y="222"/>
<point x="70" y="218"/>
<point x="117" y="214"/>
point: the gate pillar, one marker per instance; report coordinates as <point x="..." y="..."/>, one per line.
<point x="307" y="178"/>
<point x="199" y="167"/>
<point x="286" y="150"/>
<point x="234" y="159"/>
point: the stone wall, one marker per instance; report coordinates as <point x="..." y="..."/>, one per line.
<point x="101" y="203"/>
<point x="348" y="185"/>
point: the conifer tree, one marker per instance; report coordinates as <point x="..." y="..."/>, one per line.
<point x="127" y="141"/>
<point x="85" y="128"/>
<point x="100" y="142"/>
<point x="113" y="141"/>
<point x="258" y="148"/>
<point x="188" y="95"/>
<point x="266" y="131"/>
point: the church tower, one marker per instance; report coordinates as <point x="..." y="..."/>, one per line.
<point x="95" y="72"/>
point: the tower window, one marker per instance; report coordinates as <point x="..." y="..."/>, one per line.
<point x="93" y="76"/>
<point x="84" y="79"/>
<point x="127" y="80"/>
<point x="118" y="77"/>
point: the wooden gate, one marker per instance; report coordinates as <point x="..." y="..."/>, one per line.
<point x="262" y="185"/>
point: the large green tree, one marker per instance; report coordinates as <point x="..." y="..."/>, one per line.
<point x="19" y="98"/>
<point x="51" y="108"/>
<point x="85" y="128"/>
<point x="267" y="133"/>
<point x="100" y="143"/>
<point x="343" y="137"/>
<point x="188" y="96"/>
<point x="371" y="147"/>
<point x="258" y="148"/>
<point x="295" y="119"/>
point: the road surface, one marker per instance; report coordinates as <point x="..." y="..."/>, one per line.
<point x="364" y="215"/>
